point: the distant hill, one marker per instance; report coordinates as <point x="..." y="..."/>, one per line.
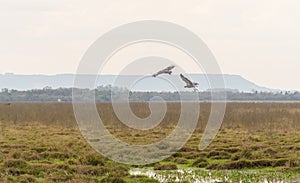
<point x="27" y="82"/>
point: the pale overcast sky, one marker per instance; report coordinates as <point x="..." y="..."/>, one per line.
<point x="257" y="39"/>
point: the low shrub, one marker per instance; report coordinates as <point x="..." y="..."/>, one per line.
<point x="92" y="159"/>
<point x="201" y="163"/>
<point x="15" y="163"/>
<point x="181" y="161"/>
<point x="165" y="167"/>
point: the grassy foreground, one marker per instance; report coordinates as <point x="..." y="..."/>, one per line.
<point x="40" y="142"/>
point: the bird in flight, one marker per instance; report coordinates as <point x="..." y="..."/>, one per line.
<point x="189" y="83"/>
<point x="165" y="71"/>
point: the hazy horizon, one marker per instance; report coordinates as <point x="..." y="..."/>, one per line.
<point x="258" y="40"/>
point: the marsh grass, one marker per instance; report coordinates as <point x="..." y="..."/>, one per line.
<point x="41" y="142"/>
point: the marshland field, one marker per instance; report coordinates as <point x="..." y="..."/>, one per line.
<point x="258" y="142"/>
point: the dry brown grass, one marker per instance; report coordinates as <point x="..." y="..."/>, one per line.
<point x="41" y="141"/>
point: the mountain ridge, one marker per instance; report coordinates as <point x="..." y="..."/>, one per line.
<point x="232" y="82"/>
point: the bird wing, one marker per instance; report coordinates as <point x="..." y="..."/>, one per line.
<point x="169" y="68"/>
<point x="166" y="70"/>
<point x="158" y="73"/>
<point x="186" y="80"/>
<point x="154" y="75"/>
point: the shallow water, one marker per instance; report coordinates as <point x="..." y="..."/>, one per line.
<point x="194" y="175"/>
<point x="174" y="175"/>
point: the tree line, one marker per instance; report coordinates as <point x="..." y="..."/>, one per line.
<point x="104" y="94"/>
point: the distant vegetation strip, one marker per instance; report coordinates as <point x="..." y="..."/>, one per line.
<point x="103" y="94"/>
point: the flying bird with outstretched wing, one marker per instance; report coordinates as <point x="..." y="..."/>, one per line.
<point x="164" y="71"/>
<point x="189" y="83"/>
